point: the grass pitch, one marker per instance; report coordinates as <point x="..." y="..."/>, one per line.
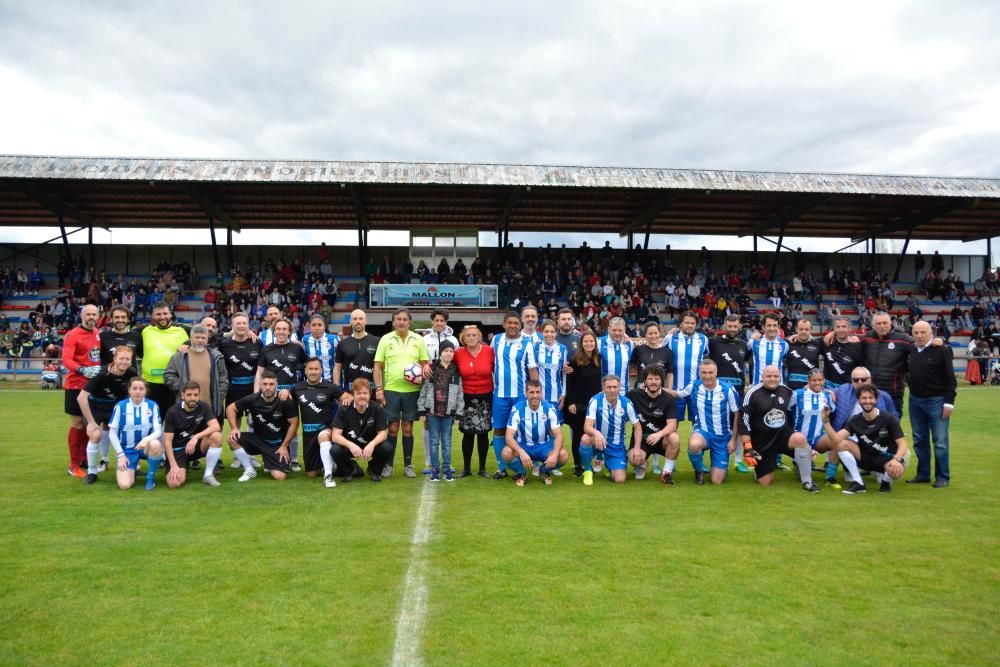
<point x="292" y="573"/>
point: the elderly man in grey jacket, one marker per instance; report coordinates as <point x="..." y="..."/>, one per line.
<point x="201" y="364"/>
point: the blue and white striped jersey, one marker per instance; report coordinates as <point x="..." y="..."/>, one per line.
<point x="615" y="358"/>
<point x="534" y="337"/>
<point x="808" y="412"/>
<point x="551" y="370"/>
<point x="267" y="337"/>
<point x="713" y="408"/>
<point x="610" y="419"/>
<point x="324" y="349"/>
<point x="767" y="353"/>
<point x="533" y="427"/>
<point x="512" y="360"/>
<point x="688" y="352"/>
<point x="130" y="422"/>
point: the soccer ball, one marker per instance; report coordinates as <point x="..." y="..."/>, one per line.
<point x="413" y="373"/>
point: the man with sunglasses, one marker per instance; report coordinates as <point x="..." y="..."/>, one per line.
<point x="847" y="406"/>
<point x="847" y="399"/>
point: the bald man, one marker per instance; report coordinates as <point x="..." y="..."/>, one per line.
<point x="81" y="358"/>
<point x="355" y="356"/>
<point x="767" y="429"/>
<point x="931" y="376"/>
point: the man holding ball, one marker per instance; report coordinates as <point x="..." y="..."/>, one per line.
<point x="396" y="351"/>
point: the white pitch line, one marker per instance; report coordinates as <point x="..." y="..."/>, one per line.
<point x="413" y="608"/>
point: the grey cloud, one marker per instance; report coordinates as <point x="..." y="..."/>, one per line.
<point x="723" y="85"/>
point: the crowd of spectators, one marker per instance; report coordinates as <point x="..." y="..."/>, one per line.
<point x="597" y="284"/>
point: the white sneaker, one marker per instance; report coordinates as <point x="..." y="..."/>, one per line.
<point x="557" y="473"/>
<point x="248" y="474"/>
<point x="235" y="464"/>
<point x="102" y="466"/>
<point x="534" y="469"/>
<point x="598" y="466"/>
<point x="210" y="480"/>
<point x="387" y="471"/>
<point x="328" y="482"/>
<point x="640" y="473"/>
<point x="296" y="467"/>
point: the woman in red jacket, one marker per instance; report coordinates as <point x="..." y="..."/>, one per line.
<point x="475" y="365"/>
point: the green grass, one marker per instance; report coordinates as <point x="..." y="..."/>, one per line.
<point x="291" y="573"/>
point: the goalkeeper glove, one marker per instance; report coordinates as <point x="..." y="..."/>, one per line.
<point x="89" y="371"/>
<point x="750" y="455"/>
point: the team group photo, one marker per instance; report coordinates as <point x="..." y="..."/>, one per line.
<point x="470" y="334"/>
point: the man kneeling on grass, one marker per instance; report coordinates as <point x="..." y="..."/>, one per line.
<point x="872" y="440"/>
<point x="275" y="422"/>
<point x="360" y="431"/>
<point x="604" y="430"/>
<point x="135" y="433"/>
<point x="191" y="432"/>
<point x="533" y="435"/>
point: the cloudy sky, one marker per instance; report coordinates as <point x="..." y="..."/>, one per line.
<point x="882" y="86"/>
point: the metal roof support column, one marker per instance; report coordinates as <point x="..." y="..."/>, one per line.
<point x="90" y="243"/>
<point x="65" y="237"/>
<point x="777" y="250"/>
<point x="989" y="253"/>
<point x="362" y="250"/>
<point x="215" y="246"/>
<point x="229" y="247"/>
<point x="899" y="262"/>
<point x="631" y="241"/>
<point x="645" y="243"/>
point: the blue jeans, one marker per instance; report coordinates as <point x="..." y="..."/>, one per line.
<point x="926" y="422"/>
<point x="438" y="436"/>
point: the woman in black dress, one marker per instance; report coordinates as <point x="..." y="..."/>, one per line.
<point x="581" y="385"/>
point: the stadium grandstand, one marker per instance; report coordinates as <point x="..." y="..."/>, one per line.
<point x="445" y="208"/>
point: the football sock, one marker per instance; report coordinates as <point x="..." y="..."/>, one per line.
<point x="154" y="465"/>
<point x="407" y="450"/>
<point x="497" y="448"/>
<point x="517" y="466"/>
<point x="93" y="458"/>
<point x="327" y="457"/>
<point x="213" y="456"/>
<point x="77" y="449"/>
<point x="697" y="461"/>
<point x="293" y="449"/>
<point x="82" y="440"/>
<point x="656" y="460"/>
<point x="851" y="466"/>
<point x="544" y="468"/>
<point x="587" y="457"/>
<point x="831" y="470"/>
<point x="105" y="445"/>
<point x="803" y="461"/>
<point x="669" y="465"/>
<point x="244" y="458"/>
<point x="777" y="461"/>
<point x="71" y="444"/>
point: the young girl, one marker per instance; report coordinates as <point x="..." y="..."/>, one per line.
<point x="440" y="401"/>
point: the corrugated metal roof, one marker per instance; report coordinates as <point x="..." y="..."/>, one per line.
<point x="122" y="192"/>
<point x="414" y="173"/>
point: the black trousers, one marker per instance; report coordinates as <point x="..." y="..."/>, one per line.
<point x="342" y="457"/>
